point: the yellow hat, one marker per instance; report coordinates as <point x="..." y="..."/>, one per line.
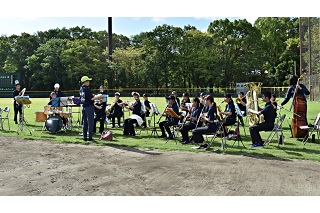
<point x="85" y="78"/>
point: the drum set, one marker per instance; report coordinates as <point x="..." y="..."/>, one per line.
<point x="55" y="118"/>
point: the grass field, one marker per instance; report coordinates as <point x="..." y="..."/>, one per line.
<point x="293" y="147"/>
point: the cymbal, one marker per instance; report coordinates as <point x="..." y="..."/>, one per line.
<point x="24" y="101"/>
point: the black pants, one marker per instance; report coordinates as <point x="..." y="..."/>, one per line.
<point x="198" y="132"/>
<point x="101" y="119"/>
<point x="128" y="126"/>
<point x="114" y="116"/>
<point x="227" y="123"/>
<point x="254" y="131"/>
<point x="165" y="125"/>
<point x="185" y="129"/>
<point x="17" y="108"/>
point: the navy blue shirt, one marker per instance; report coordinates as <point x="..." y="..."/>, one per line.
<point x="231" y="108"/>
<point x="85" y="96"/>
<point x="137" y="108"/>
<point x="196" y="113"/>
<point x="117" y="108"/>
<point x="59" y="93"/>
<point x="147" y="104"/>
<point x="101" y="112"/>
<point x="175" y="108"/>
<point x="269" y="113"/>
<point x="212" y="117"/>
<point x="303" y="91"/>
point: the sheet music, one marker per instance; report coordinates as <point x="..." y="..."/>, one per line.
<point x="154" y="109"/>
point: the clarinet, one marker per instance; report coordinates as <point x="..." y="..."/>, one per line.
<point x="162" y="114"/>
<point x="200" y="116"/>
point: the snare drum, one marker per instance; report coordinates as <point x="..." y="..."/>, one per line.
<point x="65" y="114"/>
<point x="56" y="110"/>
<point x="40" y="116"/>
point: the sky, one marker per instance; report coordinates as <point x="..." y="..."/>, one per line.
<point x="132" y="17"/>
<point x="127" y="26"/>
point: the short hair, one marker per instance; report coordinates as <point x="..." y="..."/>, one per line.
<point x="293" y="80"/>
<point x="267" y="94"/>
<point x="202" y="94"/>
<point x="241" y="93"/>
<point x="145" y="95"/>
<point x="274" y="96"/>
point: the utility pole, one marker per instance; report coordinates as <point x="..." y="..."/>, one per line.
<point x="310" y="60"/>
<point x="110" y="38"/>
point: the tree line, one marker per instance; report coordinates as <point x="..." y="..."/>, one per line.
<point x="167" y="56"/>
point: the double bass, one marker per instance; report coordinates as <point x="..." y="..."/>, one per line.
<point x="299" y="112"/>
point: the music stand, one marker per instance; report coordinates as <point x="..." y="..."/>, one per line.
<point x="155" y="112"/>
<point x="23" y="100"/>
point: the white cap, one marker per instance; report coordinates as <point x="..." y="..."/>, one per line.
<point x="56" y="85"/>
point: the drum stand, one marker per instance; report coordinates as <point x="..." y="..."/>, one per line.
<point x="154" y="130"/>
<point x="23" y="122"/>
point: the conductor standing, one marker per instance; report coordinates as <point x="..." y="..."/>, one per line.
<point x="87" y="99"/>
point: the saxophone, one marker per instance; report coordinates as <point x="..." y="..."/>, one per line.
<point x="252" y="101"/>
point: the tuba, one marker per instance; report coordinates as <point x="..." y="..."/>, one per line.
<point x="252" y="101"/>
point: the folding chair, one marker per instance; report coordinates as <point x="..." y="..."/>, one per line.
<point x="175" y="130"/>
<point x="214" y="135"/>
<point x="4" y="115"/>
<point x="275" y="131"/>
<point x="311" y="129"/>
<point x="236" y="135"/>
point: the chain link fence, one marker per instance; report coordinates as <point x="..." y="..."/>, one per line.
<point x="310" y="54"/>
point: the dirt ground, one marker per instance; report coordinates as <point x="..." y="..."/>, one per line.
<point x="29" y="167"/>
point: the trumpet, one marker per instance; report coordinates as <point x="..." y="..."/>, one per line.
<point x="239" y="100"/>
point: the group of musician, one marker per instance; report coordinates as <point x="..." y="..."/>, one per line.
<point x="201" y="116"/>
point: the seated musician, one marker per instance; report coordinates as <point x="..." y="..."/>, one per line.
<point x="135" y="117"/>
<point x="184" y="107"/>
<point x="116" y="110"/>
<point x="211" y="124"/>
<point x="54" y="95"/>
<point x="100" y="114"/>
<point x="177" y="100"/>
<point x="230" y="113"/>
<point x="269" y="114"/>
<point x="193" y="117"/>
<point x="147" y="107"/>
<point x="170" y="121"/>
<point x="242" y="103"/>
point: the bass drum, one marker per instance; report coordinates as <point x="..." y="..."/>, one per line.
<point x="53" y="124"/>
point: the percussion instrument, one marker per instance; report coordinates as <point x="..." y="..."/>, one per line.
<point x="53" y="124"/>
<point x="23" y="99"/>
<point x="65" y="114"/>
<point x="40" y="116"/>
<point x="47" y="108"/>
